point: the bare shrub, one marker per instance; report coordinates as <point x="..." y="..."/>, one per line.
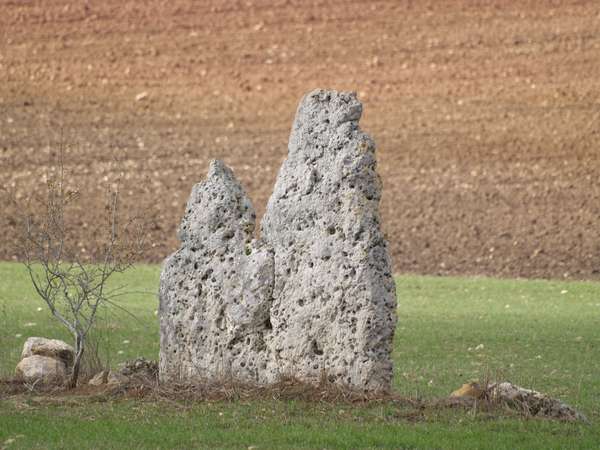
<point x="73" y="284"/>
<point x="92" y="362"/>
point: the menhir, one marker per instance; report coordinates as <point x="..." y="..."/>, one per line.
<point x="315" y="297"/>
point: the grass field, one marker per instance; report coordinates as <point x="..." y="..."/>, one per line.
<point x="539" y="334"/>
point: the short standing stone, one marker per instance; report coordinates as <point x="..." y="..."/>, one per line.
<point x="334" y="301"/>
<point x="215" y="291"/>
<point x="53" y="348"/>
<point x="41" y="370"/>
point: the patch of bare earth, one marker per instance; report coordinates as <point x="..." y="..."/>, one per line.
<point x="486" y="114"/>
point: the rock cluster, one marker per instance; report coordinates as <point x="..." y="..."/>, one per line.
<point x="45" y="361"/>
<point x="314" y="297"/>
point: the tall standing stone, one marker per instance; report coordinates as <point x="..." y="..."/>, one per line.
<point x="215" y="291"/>
<point x="334" y="305"/>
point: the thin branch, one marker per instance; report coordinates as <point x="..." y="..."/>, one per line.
<point x="119" y="307"/>
<point x="73" y="290"/>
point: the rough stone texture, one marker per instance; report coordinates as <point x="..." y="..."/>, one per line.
<point x="53" y="348"/>
<point x="334" y="301"/>
<point x="215" y="291"/>
<point x="315" y="298"/>
<point x="41" y="369"/>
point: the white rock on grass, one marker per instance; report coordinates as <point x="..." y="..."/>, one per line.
<point x="53" y="348"/>
<point x="533" y="402"/>
<point x="526" y="401"/>
<point x="41" y="370"/>
<point x="334" y="300"/>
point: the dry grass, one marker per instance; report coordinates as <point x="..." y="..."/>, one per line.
<point x="185" y="396"/>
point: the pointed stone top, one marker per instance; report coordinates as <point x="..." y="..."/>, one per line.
<point x="217" y="211"/>
<point x="332" y="106"/>
<point x="218" y="169"/>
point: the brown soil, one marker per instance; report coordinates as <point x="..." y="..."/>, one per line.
<point x="486" y="114"/>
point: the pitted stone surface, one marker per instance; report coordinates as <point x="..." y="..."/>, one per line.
<point x="315" y="297"/>
<point x="334" y="302"/>
<point x="215" y="291"/>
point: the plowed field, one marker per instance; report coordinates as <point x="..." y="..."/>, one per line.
<point x="486" y="114"/>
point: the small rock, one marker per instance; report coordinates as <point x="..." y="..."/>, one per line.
<point x="527" y="401"/>
<point x="141" y="96"/>
<point x="139" y="367"/>
<point x="98" y="379"/>
<point x="52" y="348"/>
<point x="533" y="402"/>
<point x="109" y="378"/>
<point x="472" y="390"/>
<point x="41" y="369"/>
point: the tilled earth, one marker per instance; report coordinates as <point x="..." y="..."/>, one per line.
<point x="486" y="115"/>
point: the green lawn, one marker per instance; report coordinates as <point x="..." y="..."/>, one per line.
<point x="539" y="334"/>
